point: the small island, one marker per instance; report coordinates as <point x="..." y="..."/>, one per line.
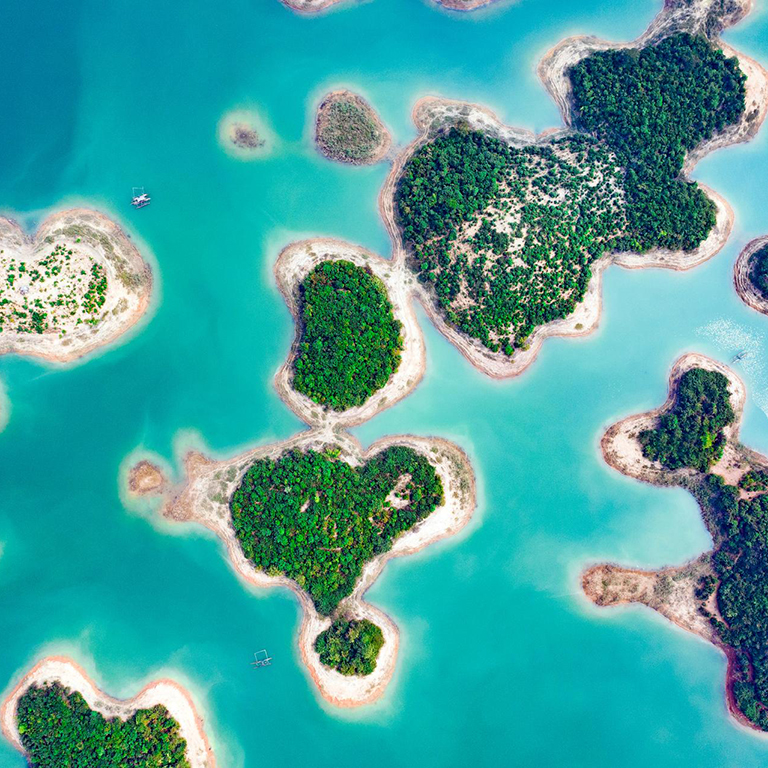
<point x="74" y="286"/>
<point x="243" y="135"/>
<point x="358" y="347"/>
<point x="750" y="275"/>
<point x="692" y="442"/>
<point x="348" y="130"/>
<point x="315" y="6"/>
<point x="319" y="515"/>
<point x="146" y="479"/>
<point x="56" y="716"/>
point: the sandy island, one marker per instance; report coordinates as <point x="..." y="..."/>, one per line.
<point x="61" y="287"/>
<point x="203" y="498"/>
<point x="671" y="591"/>
<point x="323" y="122"/>
<point x="742" y="280"/>
<point x="432" y="114"/>
<point x="166" y="692"/>
<point x="292" y="266"/>
<point x="146" y="479"/>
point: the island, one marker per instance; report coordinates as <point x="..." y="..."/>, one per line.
<point x="75" y="285"/>
<point x="750" y="274"/>
<point x="358" y="347"/>
<point x="243" y="134"/>
<point x="57" y="716"/>
<point x="692" y="442"/>
<point x="507" y="233"/>
<point x="321" y="516"/>
<point x="348" y="130"/>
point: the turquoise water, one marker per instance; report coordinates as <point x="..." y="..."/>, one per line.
<point x="502" y="662"/>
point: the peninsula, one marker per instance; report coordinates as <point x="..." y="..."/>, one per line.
<point x="57" y="716"/>
<point x="348" y="130"/>
<point x="750" y="274"/>
<point x="75" y="285"/>
<point x="321" y="516"/>
<point x="692" y="441"/>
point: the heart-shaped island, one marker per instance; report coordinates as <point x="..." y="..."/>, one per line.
<point x="76" y="284"/>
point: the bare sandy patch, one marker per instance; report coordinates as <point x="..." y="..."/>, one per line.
<point x="146" y="479"/>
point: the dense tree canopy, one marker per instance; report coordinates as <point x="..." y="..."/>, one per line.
<point x="506" y="236"/>
<point x="651" y="106"/>
<point x="739" y="529"/>
<point x="318" y="520"/>
<point x="690" y="434"/>
<point x="758" y="271"/>
<point x="59" y="730"/>
<point x="740" y="563"/>
<point x="350" y="341"/>
<point x="350" y="647"/>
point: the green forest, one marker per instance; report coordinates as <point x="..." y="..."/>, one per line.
<point x="690" y="434"/>
<point x="758" y="271"/>
<point x="317" y="520"/>
<point x="505" y="237"/>
<point x="739" y="529"/>
<point x="652" y="106"/>
<point x="350" y="646"/>
<point x="350" y="341"/>
<point x="59" y="730"/>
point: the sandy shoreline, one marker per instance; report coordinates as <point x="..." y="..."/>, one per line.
<point x="166" y="692"/>
<point x="203" y="498"/>
<point x="101" y="239"/>
<point x="292" y="266"/>
<point x="609" y="584"/>
<point x="345" y="94"/>
<point x="623" y="452"/>
<point x="741" y="276"/>
<point x="430" y="114"/>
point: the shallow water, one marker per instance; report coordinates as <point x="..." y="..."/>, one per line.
<point x="502" y="662"/>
